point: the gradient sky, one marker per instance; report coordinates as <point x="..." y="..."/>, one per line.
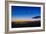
<point x="25" y="12"/>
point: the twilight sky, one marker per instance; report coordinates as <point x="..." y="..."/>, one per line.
<point x="25" y="12"/>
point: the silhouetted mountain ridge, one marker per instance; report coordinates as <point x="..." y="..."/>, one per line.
<point x="36" y="17"/>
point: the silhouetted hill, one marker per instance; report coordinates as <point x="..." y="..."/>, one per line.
<point x="26" y="24"/>
<point x="36" y="17"/>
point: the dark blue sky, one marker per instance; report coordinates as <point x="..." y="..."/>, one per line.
<point x="20" y="12"/>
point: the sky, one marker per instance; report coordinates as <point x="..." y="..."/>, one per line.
<point x="25" y="12"/>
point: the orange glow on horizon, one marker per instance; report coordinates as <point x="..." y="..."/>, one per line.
<point x="22" y="21"/>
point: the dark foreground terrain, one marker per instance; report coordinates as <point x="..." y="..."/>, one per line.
<point x="26" y="24"/>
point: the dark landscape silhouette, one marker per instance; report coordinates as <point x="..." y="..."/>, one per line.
<point x="26" y="24"/>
